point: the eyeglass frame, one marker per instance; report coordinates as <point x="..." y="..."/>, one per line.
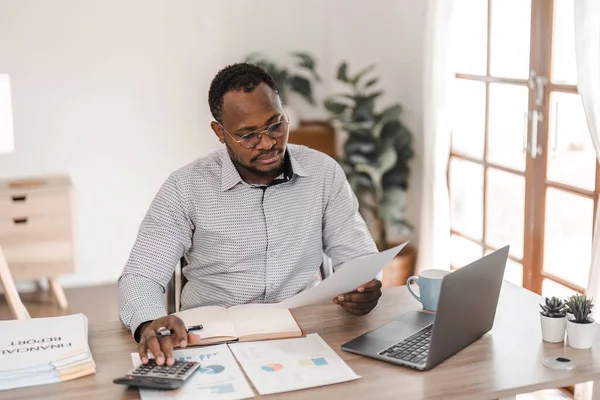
<point x="263" y="129"/>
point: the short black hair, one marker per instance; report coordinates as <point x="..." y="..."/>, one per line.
<point x="240" y="76"/>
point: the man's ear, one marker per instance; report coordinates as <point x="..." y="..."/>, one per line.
<point x="218" y="131"/>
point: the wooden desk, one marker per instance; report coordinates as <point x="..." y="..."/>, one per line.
<point x="503" y="363"/>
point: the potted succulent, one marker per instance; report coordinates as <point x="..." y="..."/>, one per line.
<point x="553" y="318"/>
<point x="289" y="80"/>
<point x="580" y="327"/>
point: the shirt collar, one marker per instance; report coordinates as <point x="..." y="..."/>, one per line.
<point x="231" y="177"/>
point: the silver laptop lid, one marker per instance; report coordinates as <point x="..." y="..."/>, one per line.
<point x="467" y="305"/>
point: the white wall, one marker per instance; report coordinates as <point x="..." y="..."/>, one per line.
<point x="114" y="92"/>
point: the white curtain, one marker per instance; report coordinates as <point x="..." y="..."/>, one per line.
<point x="434" y="226"/>
<point x="587" y="55"/>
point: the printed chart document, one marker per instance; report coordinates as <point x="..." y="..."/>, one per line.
<point x="218" y="377"/>
<point x="346" y="278"/>
<point x="292" y="364"/>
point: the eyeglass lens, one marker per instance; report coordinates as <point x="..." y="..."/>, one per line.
<point x="274" y="130"/>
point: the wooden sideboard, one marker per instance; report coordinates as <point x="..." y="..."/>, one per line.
<point x="316" y="135"/>
<point x="37" y="230"/>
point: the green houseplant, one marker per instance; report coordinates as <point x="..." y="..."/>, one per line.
<point x="376" y="153"/>
<point x="553" y="316"/>
<point x="288" y="79"/>
<point x="580" y="327"/>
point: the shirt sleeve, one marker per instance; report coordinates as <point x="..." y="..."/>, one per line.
<point x="345" y="233"/>
<point x="165" y="235"/>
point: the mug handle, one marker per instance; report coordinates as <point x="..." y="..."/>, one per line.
<point x="408" y="282"/>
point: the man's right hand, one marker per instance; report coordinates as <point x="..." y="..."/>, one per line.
<point x="162" y="347"/>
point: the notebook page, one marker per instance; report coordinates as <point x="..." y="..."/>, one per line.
<point x="263" y="321"/>
<point x="215" y="321"/>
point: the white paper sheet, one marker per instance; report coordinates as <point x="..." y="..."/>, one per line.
<point x="277" y="366"/>
<point x="218" y="377"/>
<point x="347" y="278"/>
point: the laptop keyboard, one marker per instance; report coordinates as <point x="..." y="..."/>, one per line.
<point x="413" y="349"/>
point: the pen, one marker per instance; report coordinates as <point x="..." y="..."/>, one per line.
<point x="169" y="332"/>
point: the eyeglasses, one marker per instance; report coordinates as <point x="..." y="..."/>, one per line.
<point x="250" y="140"/>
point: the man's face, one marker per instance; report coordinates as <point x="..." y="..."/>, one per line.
<point x="244" y="113"/>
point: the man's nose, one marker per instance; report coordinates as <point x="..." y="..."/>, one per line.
<point x="266" y="142"/>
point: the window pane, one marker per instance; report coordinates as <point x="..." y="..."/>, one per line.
<point x="469" y="37"/>
<point x="563" y="44"/>
<point x="468" y="117"/>
<point x="463" y="251"/>
<point x="513" y="271"/>
<point x="568" y="236"/>
<point x="466" y="197"/>
<point x="510" y="32"/>
<point x="571" y="153"/>
<point x="551" y="288"/>
<point x="505" y="211"/>
<point x="508" y="125"/>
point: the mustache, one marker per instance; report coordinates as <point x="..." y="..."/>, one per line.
<point x="269" y="154"/>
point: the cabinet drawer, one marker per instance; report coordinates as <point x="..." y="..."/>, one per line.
<point x="19" y="231"/>
<point x="19" y="205"/>
<point x="41" y="259"/>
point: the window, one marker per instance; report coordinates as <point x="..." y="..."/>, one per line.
<point x="523" y="168"/>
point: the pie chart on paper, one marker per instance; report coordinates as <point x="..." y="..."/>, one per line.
<point x="272" y="367"/>
<point x="211" y="369"/>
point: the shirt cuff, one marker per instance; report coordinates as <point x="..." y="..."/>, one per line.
<point x="144" y="315"/>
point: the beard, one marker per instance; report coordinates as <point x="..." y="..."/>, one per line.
<point x="253" y="168"/>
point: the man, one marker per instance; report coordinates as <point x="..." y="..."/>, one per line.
<point x="252" y="220"/>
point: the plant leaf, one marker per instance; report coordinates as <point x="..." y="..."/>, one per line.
<point x="253" y="57"/>
<point x="305" y="60"/>
<point x="362" y="126"/>
<point x="390" y="114"/>
<point x="393" y="210"/>
<point x="301" y="85"/>
<point x="335" y="107"/>
<point x="371" y="171"/>
<point x="360" y="74"/>
<point x="371" y="82"/>
<point x="387" y="160"/>
<point x="375" y="95"/>
<point x="342" y="73"/>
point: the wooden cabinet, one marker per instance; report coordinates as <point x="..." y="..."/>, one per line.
<point x="316" y="135"/>
<point x="36" y="230"/>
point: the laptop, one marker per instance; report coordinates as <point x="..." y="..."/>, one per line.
<point x="466" y="311"/>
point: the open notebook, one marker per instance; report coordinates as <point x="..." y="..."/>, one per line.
<point x="246" y="322"/>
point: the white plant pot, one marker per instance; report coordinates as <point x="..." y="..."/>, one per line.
<point x="580" y="336"/>
<point x="553" y="329"/>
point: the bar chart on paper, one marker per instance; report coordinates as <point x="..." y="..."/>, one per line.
<point x="277" y="366"/>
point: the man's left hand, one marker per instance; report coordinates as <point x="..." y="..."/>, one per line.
<point x="362" y="300"/>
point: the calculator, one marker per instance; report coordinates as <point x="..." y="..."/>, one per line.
<point x="153" y="376"/>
